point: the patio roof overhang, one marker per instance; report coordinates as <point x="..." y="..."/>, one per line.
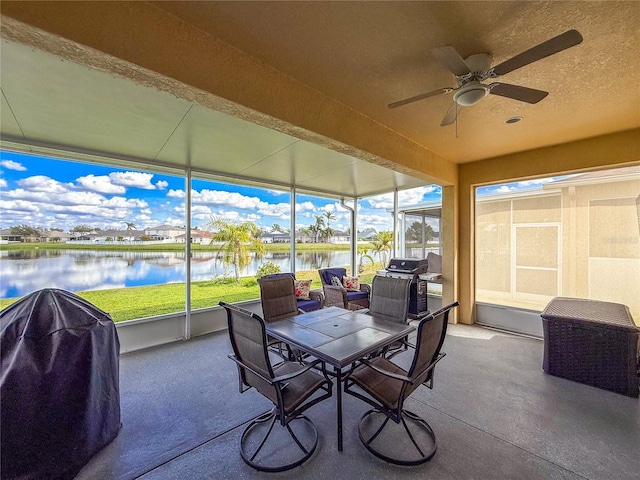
<point x="56" y="107"/>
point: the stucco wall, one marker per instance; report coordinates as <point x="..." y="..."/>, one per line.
<point x="617" y="149"/>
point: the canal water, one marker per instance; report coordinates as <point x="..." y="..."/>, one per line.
<point x="23" y="272"/>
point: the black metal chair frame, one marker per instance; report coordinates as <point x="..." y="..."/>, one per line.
<point x="279" y="412"/>
<point x="410" y="380"/>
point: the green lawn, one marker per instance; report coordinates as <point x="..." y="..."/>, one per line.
<point x="141" y="302"/>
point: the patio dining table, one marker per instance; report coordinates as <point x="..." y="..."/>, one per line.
<point x="338" y="337"/>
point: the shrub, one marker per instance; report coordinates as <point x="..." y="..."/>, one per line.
<point x="267" y="268"/>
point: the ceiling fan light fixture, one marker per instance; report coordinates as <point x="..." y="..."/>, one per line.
<point x="470" y="94"/>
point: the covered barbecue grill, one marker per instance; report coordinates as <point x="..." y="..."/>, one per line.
<point x="59" y="385"/>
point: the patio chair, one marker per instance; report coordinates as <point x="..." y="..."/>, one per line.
<point x="290" y="386"/>
<point x="390" y="301"/>
<point x="336" y="296"/>
<point x="360" y="297"/>
<point x="278" y="299"/>
<point x="316" y="297"/>
<point x="408" y="440"/>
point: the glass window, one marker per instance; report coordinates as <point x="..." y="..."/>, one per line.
<point x="108" y="233"/>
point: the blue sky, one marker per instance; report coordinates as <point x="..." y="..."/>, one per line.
<point x="49" y="193"/>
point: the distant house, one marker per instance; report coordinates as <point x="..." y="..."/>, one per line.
<point x="340" y="237"/>
<point x="165" y="232"/>
<point x="7" y="236"/>
<point x="276" y="237"/>
<point x="56" y="236"/>
<point x="45" y="236"/>
<point x="367" y="234"/>
<point x="203" y="237"/>
<point x="106" y="236"/>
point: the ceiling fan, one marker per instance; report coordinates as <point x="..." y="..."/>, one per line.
<point x="472" y="71"/>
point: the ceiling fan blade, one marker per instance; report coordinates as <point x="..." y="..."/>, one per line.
<point x="451" y="59"/>
<point x="433" y="93"/>
<point x="524" y="94"/>
<point x="450" y="116"/>
<point x="563" y="41"/>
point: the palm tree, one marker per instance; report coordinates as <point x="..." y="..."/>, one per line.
<point x="130" y="226"/>
<point x="317" y="228"/>
<point x="382" y="243"/>
<point x="364" y="253"/>
<point x="328" y="232"/>
<point x="236" y="242"/>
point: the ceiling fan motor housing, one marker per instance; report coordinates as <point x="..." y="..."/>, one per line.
<point x="470" y="94"/>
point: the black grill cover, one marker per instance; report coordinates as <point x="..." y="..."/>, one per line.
<point x="60" y="390"/>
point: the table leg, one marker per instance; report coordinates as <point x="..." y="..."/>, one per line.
<point x="339" y="406"/>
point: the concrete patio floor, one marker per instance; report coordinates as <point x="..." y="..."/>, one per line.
<point x="495" y="413"/>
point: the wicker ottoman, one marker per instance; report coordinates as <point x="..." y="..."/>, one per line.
<point x="592" y="342"/>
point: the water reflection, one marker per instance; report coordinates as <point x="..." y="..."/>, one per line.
<point x="24" y="271"/>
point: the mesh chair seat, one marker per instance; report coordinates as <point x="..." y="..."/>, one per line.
<point x="388" y="389"/>
<point x="299" y="388"/>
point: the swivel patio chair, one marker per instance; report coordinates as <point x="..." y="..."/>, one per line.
<point x="278" y="299"/>
<point x="290" y="386"/>
<point x="316" y="297"/>
<point x="390" y="301"/>
<point x="408" y="440"/>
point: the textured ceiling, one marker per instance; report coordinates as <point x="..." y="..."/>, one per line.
<point x="356" y="57"/>
<point x="369" y="54"/>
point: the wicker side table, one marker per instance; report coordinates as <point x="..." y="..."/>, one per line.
<point x="592" y="342"/>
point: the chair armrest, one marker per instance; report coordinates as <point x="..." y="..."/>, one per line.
<point x="365" y="287"/>
<point x="334" y="296"/>
<point x="240" y="364"/>
<point x="289" y="376"/>
<point x="404" y="378"/>
<point x="386" y="373"/>
<point x="317" y="294"/>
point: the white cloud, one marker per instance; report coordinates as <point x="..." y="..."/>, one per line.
<point x="278" y="210"/>
<point x="406" y="198"/>
<point x="305" y="207"/>
<point x="100" y="184"/>
<point x="222" y="198"/>
<point x="162" y="184"/>
<point x="175" y="193"/>
<point x="121" y="202"/>
<point x="3" y="183"/>
<point x="17" y="206"/>
<point x="378" y="221"/>
<point x="11" y="165"/>
<point x="42" y="183"/>
<point x="133" y="179"/>
<point x="538" y="181"/>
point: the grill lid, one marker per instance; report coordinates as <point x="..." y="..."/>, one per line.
<point x="408" y="265"/>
